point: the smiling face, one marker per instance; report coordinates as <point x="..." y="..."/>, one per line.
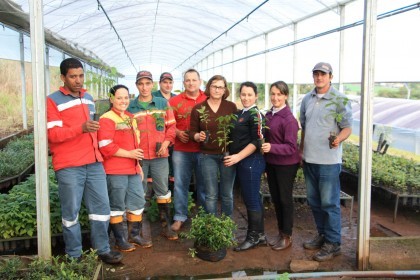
<point x="120" y="100"/>
<point x="248" y="96"/>
<point x="217" y="89"/>
<point x="192" y="83"/>
<point x="278" y="99"/>
<point x="73" y="80"/>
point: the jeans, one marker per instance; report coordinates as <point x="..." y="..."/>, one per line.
<point x="159" y="168"/>
<point x="212" y="169"/>
<point x="185" y="163"/>
<point x="87" y="182"/>
<point x="249" y="171"/>
<point x="280" y="181"/>
<point x="323" y="191"/>
<point x="125" y="193"/>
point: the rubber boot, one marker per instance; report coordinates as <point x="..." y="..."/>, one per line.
<point x="135" y="235"/>
<point x="255" y="234"/>
<point x="164" y="213"/>
<point x="120" y="239"/>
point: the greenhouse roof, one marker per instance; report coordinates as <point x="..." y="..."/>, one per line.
<point x="134" y="34"/>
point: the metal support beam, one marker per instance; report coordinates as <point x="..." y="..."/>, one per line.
<point x="295" y="85"/>
<point x="266" y="89"/>
<point x="366" y="132"/>
<point x="22" y="77"/>
<point x="233" y="75"/>
<point x="40" y="128"/>
<point x="341" y="49"/>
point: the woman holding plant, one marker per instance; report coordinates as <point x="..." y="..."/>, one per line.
<point x="282" y="160"/>
<point x="214" y="116"/>
<point x="119" y="139"/>
<point x="245" y="154"/>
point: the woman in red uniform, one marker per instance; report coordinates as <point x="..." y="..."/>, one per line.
<point x="119" y="143"/>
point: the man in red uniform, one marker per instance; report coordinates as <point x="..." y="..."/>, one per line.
<point x="185" y="155"/>
<point x="78" y="163"/>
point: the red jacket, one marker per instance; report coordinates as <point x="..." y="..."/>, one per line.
<point x="69" y="145"/>
<point x="156" y="124"/>
<point x="117" y="133"/>
<point x="182" y="105"/>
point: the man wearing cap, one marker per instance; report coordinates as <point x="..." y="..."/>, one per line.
<point x="185" y="155"/>
<point x="324" y="110"/>
<point x="156" y="123"/>
<point x="166" y="84"/>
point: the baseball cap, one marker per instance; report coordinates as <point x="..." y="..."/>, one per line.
<point x="323" y="66"/>
<point x="144" y="74"/>
<point x="166" y="75"/>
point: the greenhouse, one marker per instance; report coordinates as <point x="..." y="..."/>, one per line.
<point x="371" y="45"/>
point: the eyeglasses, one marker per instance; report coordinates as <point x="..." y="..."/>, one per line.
<point x="218" y="88"/>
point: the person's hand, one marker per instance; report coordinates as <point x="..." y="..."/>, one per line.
<point x="266" y="147"/>
<point x="90" y="126"/>
<point x="137" y="154"/>
<point x="231" y="160"/>
<point x="200" y="137"/>
<point x="163" y="148"/>
<point x="336" y="143"/>
<point x="183" y="136"/>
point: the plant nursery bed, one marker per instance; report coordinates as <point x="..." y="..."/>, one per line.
<point x="7" y="183"/>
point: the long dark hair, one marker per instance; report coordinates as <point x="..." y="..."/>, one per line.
<point x="112" y="92"/>
<point x="282" y="87"/>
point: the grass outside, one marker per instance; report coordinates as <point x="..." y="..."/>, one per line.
<point x="354" y="139"/>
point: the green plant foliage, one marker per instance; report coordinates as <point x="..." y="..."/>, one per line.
<point x="210" y="231"/>
<point x="397" y="173"/>
<point x="60" y="267"/>
<point x="18" y="209"/>
<point x="224" y="125"/>
<point x="17" y="156"/>
<point x="337" y="101"/>
<point x="159" y="121"/>
<point x="204" y="115"/>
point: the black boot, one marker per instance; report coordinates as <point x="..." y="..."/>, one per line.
<point x="135" y="236"/>
<point x="120" y="239"/>
<point x="164" y="213"/>
<point x="255" y="234"/>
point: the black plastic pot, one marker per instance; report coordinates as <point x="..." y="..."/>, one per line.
<point x="158" y="146"/>
<point x="207" y="136"/>
<point x="206" y="254"/>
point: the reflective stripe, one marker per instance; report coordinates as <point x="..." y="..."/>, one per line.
<point x="168" y="195"/>
<point x="134" y="218"/>
<point x="54" y="123"/>
<point x="136" y="212"/>
<point x="105" y="142"/>
<point x="74" y="103"/>
<point x="116" y="220"/>
<point x="96" y="217"/>
<point x="117" y="213"/>
<point x="70" y="223"/>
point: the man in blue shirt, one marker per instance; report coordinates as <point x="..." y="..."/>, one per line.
<point x="324" y="111"/>
<point x="166" y="84"/>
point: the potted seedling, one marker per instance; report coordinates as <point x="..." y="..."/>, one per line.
<point x="211" y="235"/>
<point x="224" y="125"/>
<point x="204" y="118"/>
<point x="262" y="123"/>
<point x="337" y="102"/>
<point x="160" y="126"/>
